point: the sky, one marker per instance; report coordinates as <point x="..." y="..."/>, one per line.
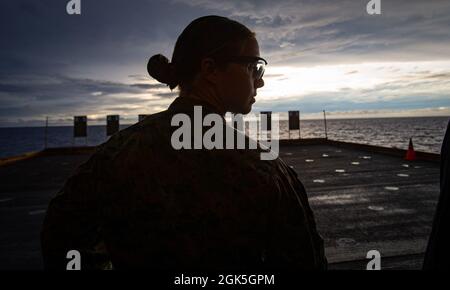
<point x="323" y="55"/>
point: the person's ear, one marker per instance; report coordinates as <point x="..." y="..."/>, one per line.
<point x="209" y="70"/>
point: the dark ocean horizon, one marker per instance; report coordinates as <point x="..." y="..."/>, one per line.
<point x="427" y="134"/>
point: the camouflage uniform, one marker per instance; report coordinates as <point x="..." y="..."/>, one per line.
<point x="139" y="203"/>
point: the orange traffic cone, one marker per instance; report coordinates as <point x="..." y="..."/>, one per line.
<point x="410" y="154"/>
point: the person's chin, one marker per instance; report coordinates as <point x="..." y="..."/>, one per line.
<point x="250" y="105"/>
<point x="245" y="110"/>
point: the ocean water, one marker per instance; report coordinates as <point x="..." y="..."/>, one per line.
<point x="427" y="134"/>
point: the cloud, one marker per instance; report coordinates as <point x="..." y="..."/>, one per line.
<point x="278" y="75"/>
<point x="167" y="94"/>
<point x="138" y="77"/>
<point x="339" y="31"/>
<point x="59" y="65"/>
<point x="396" y="86"/>
<point x="24" y="96"/>
<point x="149" y="86"/>
<point x="442" y="76"/>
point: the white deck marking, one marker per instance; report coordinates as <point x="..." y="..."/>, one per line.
<point x="6" y="199"/>
<point x="345" y="242"/>
<point x="35" y="212"/>
<point x="375" y="208"/>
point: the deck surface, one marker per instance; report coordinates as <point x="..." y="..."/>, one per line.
<point x="362" y="201"/>
<point x="365" y="201"/>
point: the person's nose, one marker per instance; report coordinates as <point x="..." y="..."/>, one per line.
<point x="259" y="83"/>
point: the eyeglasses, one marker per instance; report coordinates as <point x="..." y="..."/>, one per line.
<point x="255" y="63"/>
<point x="258" y="63"/>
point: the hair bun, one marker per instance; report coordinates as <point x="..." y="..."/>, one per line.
<point x="160" y="69"/>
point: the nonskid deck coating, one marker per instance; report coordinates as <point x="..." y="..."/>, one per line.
<point x="362" y="201"/>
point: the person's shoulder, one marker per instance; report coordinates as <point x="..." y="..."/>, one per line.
<point x="142" y="134"/>
<point x="150" y="124"/>
<point x="275" y="169"/>
<point x="256" y="160"/>
<point x="122" y="150"/>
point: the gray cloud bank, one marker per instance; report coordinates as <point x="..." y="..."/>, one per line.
<point x="53" y="63"/>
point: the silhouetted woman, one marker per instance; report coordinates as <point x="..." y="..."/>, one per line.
<point x="140" y="203"/>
